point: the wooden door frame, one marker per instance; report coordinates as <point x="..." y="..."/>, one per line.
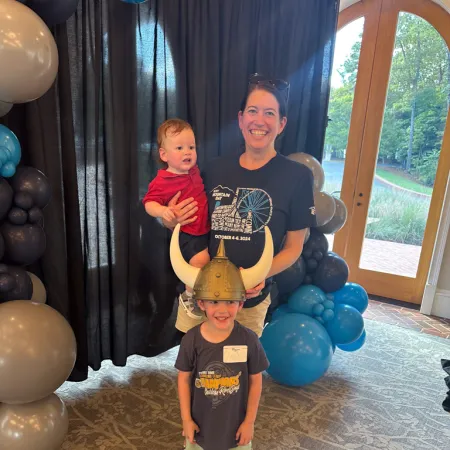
<point x="374" y="67"/>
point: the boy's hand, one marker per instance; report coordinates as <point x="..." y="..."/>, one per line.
<point x="245" y="432"/>
<point x="168" y="214"/>
<point x="189" y="430"/>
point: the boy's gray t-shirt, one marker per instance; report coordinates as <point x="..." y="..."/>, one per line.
<point x="219" y="386"/>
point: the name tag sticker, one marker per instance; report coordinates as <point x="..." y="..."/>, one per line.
<point x="235" y="353"/>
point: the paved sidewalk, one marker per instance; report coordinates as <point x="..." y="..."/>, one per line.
<point x="388" y="257"/>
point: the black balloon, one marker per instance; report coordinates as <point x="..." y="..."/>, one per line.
<point x="331" y="274"/>
<point x="35" y="215"/>
<point x="311" y="265"/>
<point x="317" y="242"/>
<point x="33" y="182"/>
<point x="23" y="200"/>
<point x="308" y="279"/>
<point x="6" y="197"/>
<point x="17" y="216"/>
<point x="20" y="283"/>
<point x="52" y="12"/>
<point x="24" y="244"/>
<point x="291" y="278"/>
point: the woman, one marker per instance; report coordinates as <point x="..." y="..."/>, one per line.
<point x="260" y="187"/>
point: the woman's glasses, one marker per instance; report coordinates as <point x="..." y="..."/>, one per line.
<point x="280" y="85"/>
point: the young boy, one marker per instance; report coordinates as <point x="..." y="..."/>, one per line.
<point x="220" y="362"/>
<point x="176" y="143"/>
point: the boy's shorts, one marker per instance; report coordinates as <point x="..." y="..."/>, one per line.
<point x="190" y="446"/>
<point x="190" y="245"/>
<point x="252" y="318"/>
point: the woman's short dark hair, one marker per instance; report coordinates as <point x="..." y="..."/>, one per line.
<point x="279" y="95"/>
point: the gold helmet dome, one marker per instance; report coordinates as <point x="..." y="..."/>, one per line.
<point x="220" y="279"/>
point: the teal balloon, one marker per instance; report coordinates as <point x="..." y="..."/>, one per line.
<point x="8" y="170"/>
<point x="346" y="326"/>
<point x="328" y="304"/>
<point x="9" y="140"/>
<point x="318" y="309"/>
<point x="281" y="311"/>
<point x="354" y="295"/>
<point x="298" y="348"/>
<point x="355" y="345"/>
<point x="303" y="299"/>
<point x="328" y="315"/>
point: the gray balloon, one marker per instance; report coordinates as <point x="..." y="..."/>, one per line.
<point x="307" y="235"/>
<point x="37" y="351"/>
<point x="325" y="207"/>
<point x="313" y="165"/>
<point x="40" y="425"/>
<point x="5" y="108"/>
<point x="338" y="220"/>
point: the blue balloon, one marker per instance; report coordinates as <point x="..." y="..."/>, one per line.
<point x="281" y="311"/>
<point x="346" y="326"/>
<point x="303" y="299"/>
<point x="299" y="349"/>
<point x="134" y="1"/>
<point x="354" y="295"/>
<point x="9" y="140"/>
<point x="318" y="309"/>
<point x="355" y="345"/>
<point x="328" y="315"/>
<point x="8" y="170"/>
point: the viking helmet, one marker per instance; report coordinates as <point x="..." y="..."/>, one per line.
<point x="220" y="279"/>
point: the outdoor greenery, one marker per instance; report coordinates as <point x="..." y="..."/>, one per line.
<point x="416" y="110"/>
<point x="397" y="178"/>
<point x="417" y="103"/>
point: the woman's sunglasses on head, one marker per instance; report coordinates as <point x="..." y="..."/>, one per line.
<point x="261" y="80"/>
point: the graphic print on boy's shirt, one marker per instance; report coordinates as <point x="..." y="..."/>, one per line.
<point x="218" y="382"/>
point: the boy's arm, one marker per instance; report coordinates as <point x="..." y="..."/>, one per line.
<point x="245" y="432"/>
<point x="254" y="395"/>
<point x="184" y="393"/>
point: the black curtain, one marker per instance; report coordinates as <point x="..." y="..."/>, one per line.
<point x="123" y="70"/>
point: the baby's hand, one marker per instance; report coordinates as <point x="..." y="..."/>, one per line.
<point x="245" y="432"/>
<point x="168" y="214"/>
<point x="189" y="430"/>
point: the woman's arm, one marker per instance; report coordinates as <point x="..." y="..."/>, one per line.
<point x="291" y="251"/>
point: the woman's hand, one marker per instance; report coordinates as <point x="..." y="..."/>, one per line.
<point x="183" y="211"/>
<point x="254" y="292"/>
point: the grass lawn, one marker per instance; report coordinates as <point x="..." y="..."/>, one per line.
<point x="404" y="182"/>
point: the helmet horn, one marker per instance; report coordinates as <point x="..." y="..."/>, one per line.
<point x="183" y="270"/>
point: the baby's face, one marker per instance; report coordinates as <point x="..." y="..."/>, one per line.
<point x="178" y="151"/>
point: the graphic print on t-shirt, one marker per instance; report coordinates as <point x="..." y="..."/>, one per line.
<point x="219" y="382"/>
<point x="248" y="210"/>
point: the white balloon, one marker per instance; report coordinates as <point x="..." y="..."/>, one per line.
<point x="39" y="292"/>
<point x="28" y="54"/>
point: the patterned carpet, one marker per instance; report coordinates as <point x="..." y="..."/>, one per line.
<point x="386" y="396"/>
